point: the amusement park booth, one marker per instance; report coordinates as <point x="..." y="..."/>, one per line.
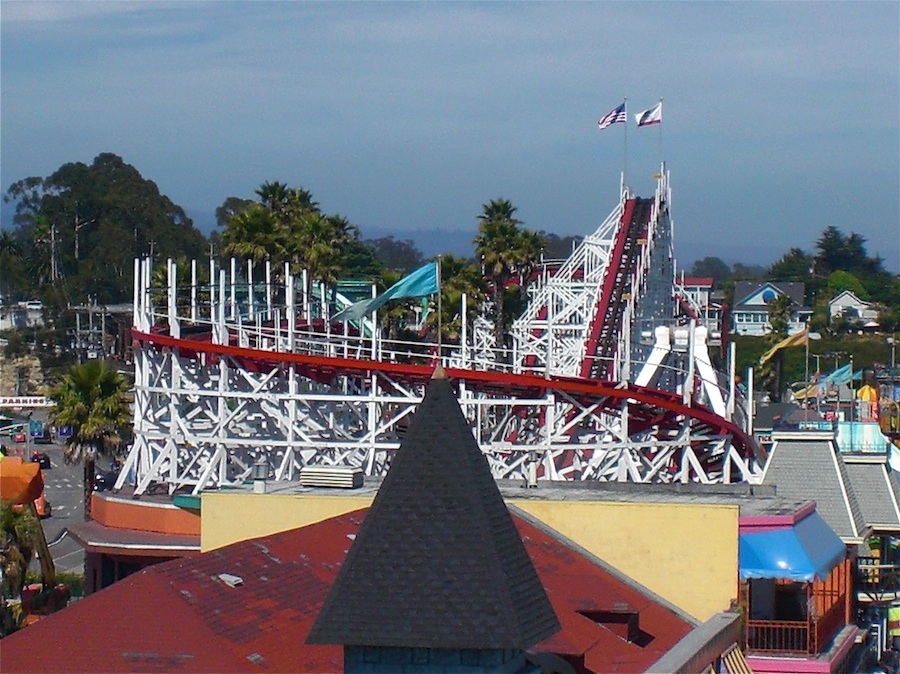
<point x="796" y="591"/>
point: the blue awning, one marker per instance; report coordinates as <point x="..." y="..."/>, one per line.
<point x="807" y="550"/>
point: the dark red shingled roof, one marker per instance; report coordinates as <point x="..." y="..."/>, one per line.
<point x="697" y="281"/>
<point x="178" y="616"/>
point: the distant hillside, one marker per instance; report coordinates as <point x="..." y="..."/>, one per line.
<point x="432" y="242"/>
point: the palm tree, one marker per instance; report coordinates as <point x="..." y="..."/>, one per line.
<point x="254" y="234"/>
<point x="90" y="399"/>
<point x="273" y="195"/>
<point x="530" y="246"/>
<point x="772" y="372"/>
<point x="458" y="276"/>
<point x="505" y="250"/>
<point x="318" y="244"/>
<point x="301" y="200"/>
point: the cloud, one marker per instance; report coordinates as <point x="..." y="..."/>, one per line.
<point x="35" y="11"/>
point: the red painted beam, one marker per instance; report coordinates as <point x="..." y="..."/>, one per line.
<point x="610" y="393"/>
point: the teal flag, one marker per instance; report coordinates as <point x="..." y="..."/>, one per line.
<point x="840" y="376"/>
<point x="423" y="281"/>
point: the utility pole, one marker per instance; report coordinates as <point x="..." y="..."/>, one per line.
<point x="78" y="226"/>
<point x="54" y="268"/>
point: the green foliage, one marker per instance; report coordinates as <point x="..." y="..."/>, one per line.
<point x="16" y="345"/>
<point x="711" y="267"/>
<point x="840" y="253"/>
<point x="828" y="353"/>
<point x="397" y="255"/>
<point x="839" y="281"/>
<point x="79" y="230"/>
<point x="780" y="310"/>
<point x="73" y="581"/>
<point x="12" y="280"/>
<point x="745" y="272"/>
<point x="505" y="250"/>
<point x="458" y="276"/>
<point x="19" y="532"/>
<point x="795" y="265"/>
<point x="91" y="400"/>
<point x="286" y="226"/>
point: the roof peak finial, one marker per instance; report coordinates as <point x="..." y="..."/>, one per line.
<point x="439" y="372"/>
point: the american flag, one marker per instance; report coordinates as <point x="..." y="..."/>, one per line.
<point x="617" y="115"/>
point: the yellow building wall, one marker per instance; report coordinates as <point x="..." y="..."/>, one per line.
<point x="685" y="553"/>
<point x="233" y="517"/>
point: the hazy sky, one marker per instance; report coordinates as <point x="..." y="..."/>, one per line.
<point x="779" y="118"/>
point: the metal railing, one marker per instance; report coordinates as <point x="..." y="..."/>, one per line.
<point x="808" y="637"/>
<point x="778" y="636"/>
<point x="875" y="578"/>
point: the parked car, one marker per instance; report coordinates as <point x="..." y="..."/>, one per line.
<point x="19" y="437"/>
<point x="104" y="480"/>
<point x="42" y="458"/>
<point x="45" y="438"/>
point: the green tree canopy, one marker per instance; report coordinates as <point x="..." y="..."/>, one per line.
<point x="795" y="265"/>
<point x="839" y="281"/>
<point x="81" y="228"/>
<point x="505" y="250"/>
<point x="711" y="267"/>
<point x="399" y="255"/>
<point x="286" y="225"/>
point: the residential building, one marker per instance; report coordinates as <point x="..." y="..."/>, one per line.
<point x="848" y="306"/>
<point x="750" y="310"/>
<point x="697" y="300"/>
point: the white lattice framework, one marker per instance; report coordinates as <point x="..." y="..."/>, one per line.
<point x="551" y="335"/>
<point x="220" y="385"/>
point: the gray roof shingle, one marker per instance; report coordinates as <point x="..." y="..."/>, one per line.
<point x="744" y="289"/>
<point x="438" y="561"/>
<point x="809" y="468"/>
<point x="873" y="488"/>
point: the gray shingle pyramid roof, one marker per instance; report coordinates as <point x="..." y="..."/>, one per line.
<point x="808" y="466"/>
<point x="438" y="562"/>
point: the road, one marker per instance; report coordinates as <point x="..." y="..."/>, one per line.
<point x="63" y="489"/>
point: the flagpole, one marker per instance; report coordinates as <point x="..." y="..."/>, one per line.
<point x="439" y="309"/>
<point x="625" y="150"/>
<point x="806" y="382"/>
<point x="660" y="131"/>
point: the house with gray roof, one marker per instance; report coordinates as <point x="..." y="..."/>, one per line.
<point x="847" y="305"/>
<point x="750" y="310"/>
